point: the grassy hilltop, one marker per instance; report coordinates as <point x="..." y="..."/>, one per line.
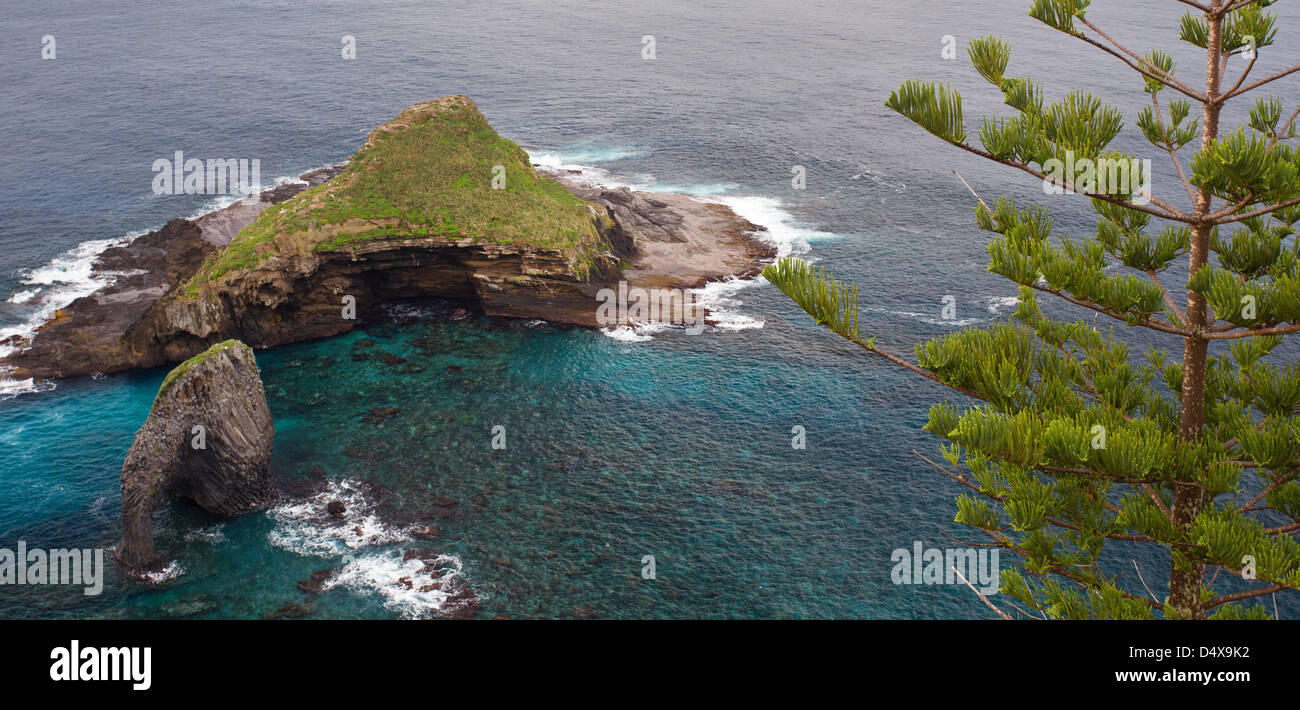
<point x="428" y="172"/>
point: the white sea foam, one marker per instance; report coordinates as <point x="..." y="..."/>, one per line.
<point x="870" y="176"/>
<point x="931" y="318"/>
<point x="720" y="298"/>
<point x="303" y="526"/>
<point x="212" y="535"/>
<point x="577" y="168"/>
<point x="587" y="156"/>
<point x="784" y="230"/>
<point x="372" y="552"/>
<point x="405" y="313"/>
<point x="10" y="388"/>
<point x="997" y="307"/>
<point x="414" y="588"/>
<point x="68" y="277"/>
<point x="221" y="202"/>
<point x="24" y="296"/>
<point x="170" y="571"/>
<point x="635" y="333"/>
<point x="63" y="280"/>
<point x="585" y="174"/>
<point x="997" y="304"/>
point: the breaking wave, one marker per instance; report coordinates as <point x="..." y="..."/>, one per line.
<point x="375" y="557"/>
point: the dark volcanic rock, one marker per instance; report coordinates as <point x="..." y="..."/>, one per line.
<point x="290" y="611"/>
<point x="379" y="414"/>
<point x="208" y="438"/>
<point x="426" y="532"/>
<point x="676" y="241"/>
<point x="150" y="315"/>
<point x="109" y="330"/>
<point x="316" y="583"/>
<point x="92" y="332"/>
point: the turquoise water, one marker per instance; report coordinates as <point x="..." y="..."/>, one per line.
<point x="677" y="447"/>
<point x="613" y="451"/>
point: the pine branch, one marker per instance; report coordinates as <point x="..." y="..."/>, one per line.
<point x="1047" y="518"/>
<point x="835" y="305"/>
<point x="1252" y="332"/>
<point x="939" y="111"/>
<point x="1159" y="325"/>
<point x="1169" y="300"/>
<point x="1144" y="582"/>
<point x="1089" y="388"/>
<point x="1158" y="501"/>
<point x="1237" y="5"/>
<point x="1245" y="73"/>
<point x="1281" y="481"/>
<point x="1231" y="209"/>
<point x="1218" y="217"/>
<point x="1238" y="596"/>
<point x="1239" y="91"/>
<point x="1290" y="124"/>
<point x="1079" y="471"/>
<point x="972" y="190"/>
<point x="989" y="604"/>
<point x="1140" y="67"/>
<point x="1166" y="211"/>
<point x="1064" y="572"/>
<point x="1173" y="152"/>
<point x="1260" y="212"/>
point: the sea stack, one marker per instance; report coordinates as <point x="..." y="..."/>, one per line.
<point x="208" y="438"/>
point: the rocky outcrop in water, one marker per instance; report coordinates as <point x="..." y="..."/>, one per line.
<point x="317" y="258"/>
<point x="208" y="439"/>
<point x="109" y="330"/>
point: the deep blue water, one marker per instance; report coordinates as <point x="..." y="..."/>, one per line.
<point x="676" y="446"/>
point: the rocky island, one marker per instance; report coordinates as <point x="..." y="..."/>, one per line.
<point x="208" y="439"/>
<point x="435" y="204"/>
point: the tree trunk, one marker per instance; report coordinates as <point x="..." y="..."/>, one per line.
<point x="1185" y="574"/>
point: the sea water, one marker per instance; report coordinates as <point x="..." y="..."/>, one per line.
<point x="618" y="447"/>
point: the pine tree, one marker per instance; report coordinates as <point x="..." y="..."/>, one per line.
<point x="1068" y="438"/>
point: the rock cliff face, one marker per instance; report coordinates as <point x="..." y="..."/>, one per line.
<point x="319" y="294"/>
<point x="434" y="205"/>
<point x="107" y="331"/>
<point x="208" y="438"/>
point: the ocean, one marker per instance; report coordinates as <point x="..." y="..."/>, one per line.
<point x="660" y="445"/>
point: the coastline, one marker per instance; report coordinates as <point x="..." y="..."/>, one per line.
<point x="668" y="240"/>
<point x="108" y="263"/>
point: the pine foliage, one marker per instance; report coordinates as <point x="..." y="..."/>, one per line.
<point x="1067" y="438"/>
